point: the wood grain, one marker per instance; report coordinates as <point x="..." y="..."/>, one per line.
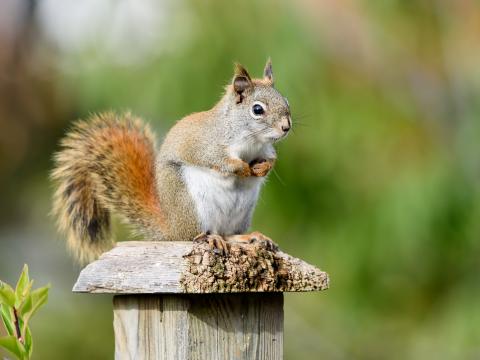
<point x="143" y="267"/>
<point x="199" y="327"/>
<point x="150" y="327"/>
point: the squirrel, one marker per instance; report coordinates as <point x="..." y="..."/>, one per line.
<point x="203" y="183"/>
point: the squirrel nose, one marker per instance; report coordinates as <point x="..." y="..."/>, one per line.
<point x="286" y="124"/>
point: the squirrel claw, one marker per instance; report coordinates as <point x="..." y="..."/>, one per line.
<point x="263" y="241"/>
<point x="216" y="243"/>
<point x="201" y="237"/>
<point x="269" y="245"/>
<point x="256" y="238"/>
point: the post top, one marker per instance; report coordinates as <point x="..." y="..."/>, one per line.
<point x="146" y="267"/>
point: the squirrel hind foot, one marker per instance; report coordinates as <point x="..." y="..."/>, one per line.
<point x="225" y="245"/>
<point x="256" y="239"/>
<point x="216" y="242"/>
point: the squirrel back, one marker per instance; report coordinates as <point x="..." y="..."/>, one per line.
<point x="107" y="164"/>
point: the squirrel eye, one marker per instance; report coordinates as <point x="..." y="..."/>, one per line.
<point x="258" y="109"/>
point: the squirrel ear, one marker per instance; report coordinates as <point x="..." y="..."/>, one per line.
<point x="241" y="81"/>
<point x="268" y="72"/>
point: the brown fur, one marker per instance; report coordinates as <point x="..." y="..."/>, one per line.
<point x="106" y="165"/>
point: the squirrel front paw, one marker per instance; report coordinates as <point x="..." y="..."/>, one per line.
<point x="237" y="167"/>
<point x="260" y="167"/>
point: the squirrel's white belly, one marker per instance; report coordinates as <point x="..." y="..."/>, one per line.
<point x="224" y="204"/>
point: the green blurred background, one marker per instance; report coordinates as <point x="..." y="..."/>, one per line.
<point x="379" y="184"/>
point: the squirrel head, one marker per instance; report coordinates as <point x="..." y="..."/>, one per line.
<point x="258" y="111"/>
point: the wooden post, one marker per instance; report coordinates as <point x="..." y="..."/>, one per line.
<point x="180" y="300"/>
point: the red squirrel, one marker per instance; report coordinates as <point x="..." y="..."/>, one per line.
<point x="203" y="183"/>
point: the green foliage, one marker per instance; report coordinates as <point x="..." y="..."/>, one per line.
<point x="16" y="309"/>
<point x="378" y="183"/>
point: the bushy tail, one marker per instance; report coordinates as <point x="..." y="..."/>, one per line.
<point x="106" y="164"/>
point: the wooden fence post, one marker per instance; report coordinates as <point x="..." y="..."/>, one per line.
<point x="180" y="300"/>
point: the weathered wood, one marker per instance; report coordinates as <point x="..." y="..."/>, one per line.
<point x="199" y="327"/>
<point x="168" y="303"/>
<point x="136" y="267"/>
<point x="150" y="327"/>
<point x="141" y="267"/>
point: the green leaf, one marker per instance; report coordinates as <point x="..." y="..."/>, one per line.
<point x="39" y="297"/>
<point x="22" y="285"/>
<point x="26" y="294"/>
<point x="7" y="318"/>
<point x="7" y="295"/>
<point x="14" y="346"/>
<point x="21" y="326"/>
<point x="26" y="303"/>
<point x="26" y="306"/>
<point x="28" y="342"/>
